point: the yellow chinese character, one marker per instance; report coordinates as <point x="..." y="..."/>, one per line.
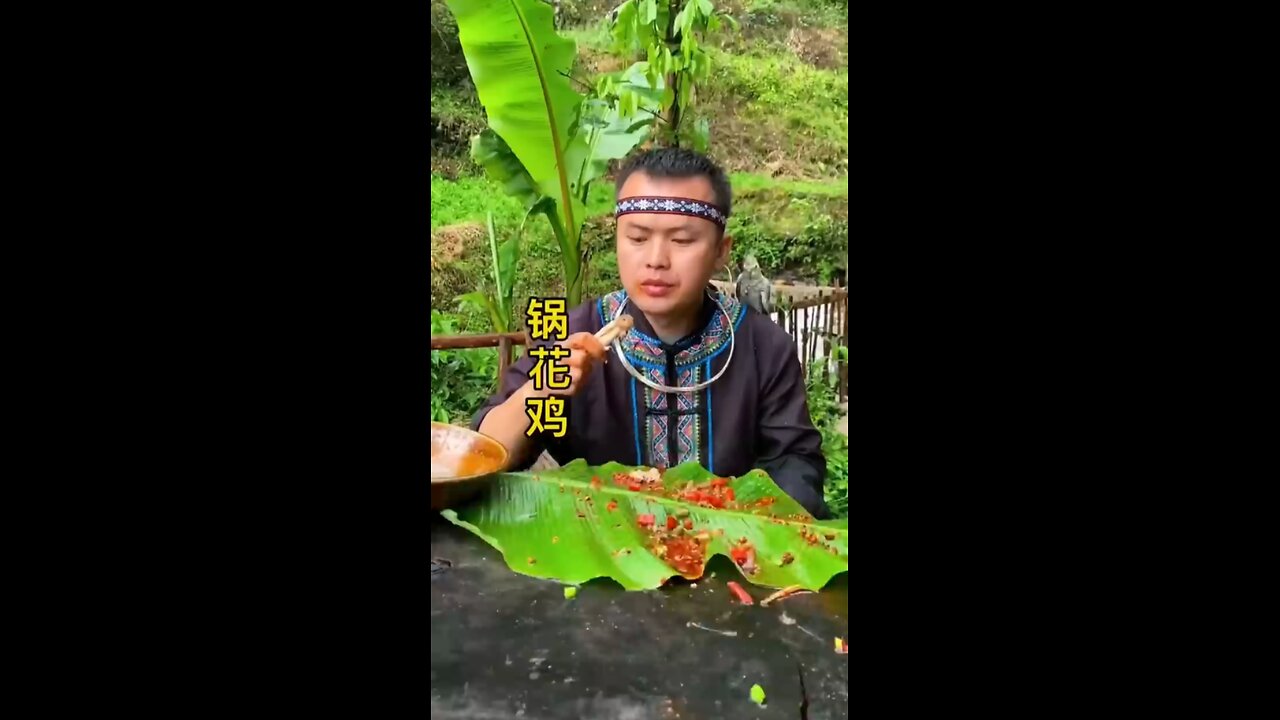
<point x="546" y="415"/>
<point x="547" y="319"/>
<point x="544" y="374"/>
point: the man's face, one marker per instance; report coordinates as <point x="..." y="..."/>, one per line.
<point x="665" y="261"/>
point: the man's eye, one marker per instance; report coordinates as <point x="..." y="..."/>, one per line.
<point x="682" y="241"/>
<point x="637" y="239"/>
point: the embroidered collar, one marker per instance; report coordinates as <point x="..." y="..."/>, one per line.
<point x="644" y="350"/>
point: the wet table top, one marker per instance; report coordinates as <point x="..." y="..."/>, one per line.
<point x="505" y="645"/>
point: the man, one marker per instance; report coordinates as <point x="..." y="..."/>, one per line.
<point x="672" y="208"/>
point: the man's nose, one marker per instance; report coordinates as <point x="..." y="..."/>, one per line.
<point x="658" y="255"/>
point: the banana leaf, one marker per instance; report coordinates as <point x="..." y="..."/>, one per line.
<point x="490" y="152"/>
<point x="520" y="68"/>
<point x="578" y="523"/>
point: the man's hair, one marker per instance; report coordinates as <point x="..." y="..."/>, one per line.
<point x="679" y="163"/>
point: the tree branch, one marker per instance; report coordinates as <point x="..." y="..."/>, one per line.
<point x="592" y="88"/>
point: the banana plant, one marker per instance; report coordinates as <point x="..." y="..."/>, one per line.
<point x="504" y="257"/>
<point x="546" y="141"/>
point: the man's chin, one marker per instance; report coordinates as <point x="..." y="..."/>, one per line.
<point x="661" y="306"/>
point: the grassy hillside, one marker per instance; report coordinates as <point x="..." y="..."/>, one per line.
<point x="778" y="107"/>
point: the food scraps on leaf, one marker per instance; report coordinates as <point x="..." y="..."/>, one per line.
<point x="683" y="553"/>
<point x="639" y="479"/>
<point x="784" y="593"/>
<point x="744" y="554"/>
<point x="743" y="596"/>
<point x="570" y="592"/>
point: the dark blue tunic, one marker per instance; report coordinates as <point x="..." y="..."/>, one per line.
<point x="754" y="416"/>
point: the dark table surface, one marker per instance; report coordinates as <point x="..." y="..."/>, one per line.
<point x="505" y="645"/>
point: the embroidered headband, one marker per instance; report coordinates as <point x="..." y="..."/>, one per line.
<point x="674" y="206"/>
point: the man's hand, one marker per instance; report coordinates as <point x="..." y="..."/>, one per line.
<point x="584" y="352"/>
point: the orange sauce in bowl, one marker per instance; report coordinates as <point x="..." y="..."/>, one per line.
<point x="458" y="453"/>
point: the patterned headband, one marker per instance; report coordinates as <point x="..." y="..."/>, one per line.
<point x="674" y="206"/>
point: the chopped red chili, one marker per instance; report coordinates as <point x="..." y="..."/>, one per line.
<point x="671" y="522"/>
<point x="743" y="596"/>
<point x="688" y="524"/>
<point x="613" y="504"/>
<point x="682" y="553"/>
<point x="728" y="492"/>
<point x="645" y="520"/>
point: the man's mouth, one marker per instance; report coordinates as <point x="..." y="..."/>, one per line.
<point x="656" y="287"/>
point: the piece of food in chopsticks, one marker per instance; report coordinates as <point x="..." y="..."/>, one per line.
<point x="614" y="329"/>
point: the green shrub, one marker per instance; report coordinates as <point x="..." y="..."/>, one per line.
<point x="824" y="409"/>
<point x="461" y="380"/>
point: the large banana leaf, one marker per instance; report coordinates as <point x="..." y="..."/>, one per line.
<point x="490" y="152"/>
<point x="577" y="523"/>
<point x="520" y="67"/>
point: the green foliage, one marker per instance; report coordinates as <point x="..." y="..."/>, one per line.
<point x="520" y="67"/>
<point x="559" y="524"/>
<point x="448" y="66"/>
<point x="540" y="272"/>
<point x="788" y="228"/>
<point x="748" y="183"/>
<point x="461" y="380"/>
<point x="824" y="410"/>
<point x="772" y="163"/>
<point x="545" y="142"/>
<point x="667" y="34"/>
<point x="777" y="102"/>
<point x="497" y="304"/>
<point x="576" y="13"/>
<point x="471" y="199"/>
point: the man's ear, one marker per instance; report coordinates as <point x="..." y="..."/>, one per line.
<point x="726" y="251"/>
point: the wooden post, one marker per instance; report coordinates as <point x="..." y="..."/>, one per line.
<point x="844" y="367"/>
<point x="810" y="320"/>
<point x="504" y="357"/>
<point x="829" y="308"/>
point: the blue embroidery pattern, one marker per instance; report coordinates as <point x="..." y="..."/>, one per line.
<point x="693" y="365"/>
<point x="657" y="422"/>
<point x="645" y="351"/>
<point x="676" y="206"/>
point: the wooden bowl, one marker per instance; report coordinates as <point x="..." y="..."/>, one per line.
<point x="462" y="463"/>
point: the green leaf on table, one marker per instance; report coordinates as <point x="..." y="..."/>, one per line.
<point x="578" y="522"/>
